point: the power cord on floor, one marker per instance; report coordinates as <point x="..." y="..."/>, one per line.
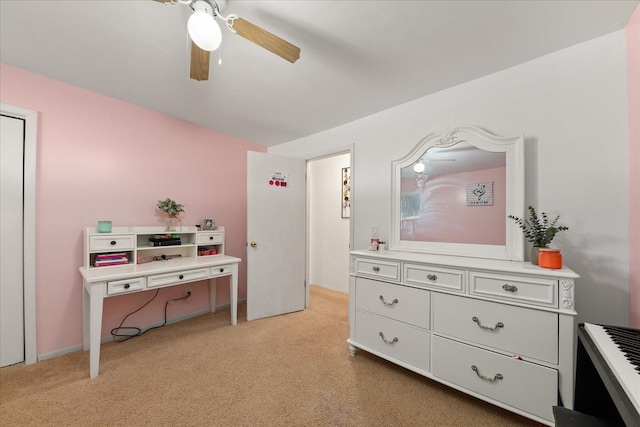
<point x="120" y="337"/>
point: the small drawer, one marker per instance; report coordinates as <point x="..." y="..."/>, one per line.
<point x="515" y="330"/>
<point x="531" y="290"/>
<point x="397" y="340"/>
<point x="210" y="238"/>
<point x="444" y="278"/>
<point x="177" y="277"/>
<point x="221" y="270"/>
<point x="111" y="242"/>
<point x="529" y="387"/>
<point x="378" y="268"/>
<point x="123" y="286"/>
<point x="403" y="303"/>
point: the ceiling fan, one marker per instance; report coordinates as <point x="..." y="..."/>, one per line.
<point x="206" y="36"/>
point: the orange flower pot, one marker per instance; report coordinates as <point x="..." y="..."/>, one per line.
<point x="550" y="258"/>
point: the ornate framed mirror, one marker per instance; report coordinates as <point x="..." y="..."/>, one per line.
<point x="453" y="192"/>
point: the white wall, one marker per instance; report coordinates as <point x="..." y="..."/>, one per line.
<point x="328" y="231"/>
<point x="571" y="107"/>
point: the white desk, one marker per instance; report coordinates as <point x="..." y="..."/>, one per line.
<point x="100" y="283"/>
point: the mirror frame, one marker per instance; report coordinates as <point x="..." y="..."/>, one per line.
<point x="513" y="147"/>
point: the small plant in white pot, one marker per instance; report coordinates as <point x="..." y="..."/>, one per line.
<point x="538" y="230"/>
<point x="172" y="209"/>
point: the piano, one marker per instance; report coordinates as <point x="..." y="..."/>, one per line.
<point x="607" y="383"/>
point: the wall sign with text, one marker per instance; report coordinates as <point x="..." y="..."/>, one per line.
<point x="480" y="194"/>
<point x="278" y="179"/>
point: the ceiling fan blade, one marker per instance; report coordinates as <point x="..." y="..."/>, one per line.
<point x="199" y="63"/>
<point x="200" y="58"/>
<point x="264" y="38"/>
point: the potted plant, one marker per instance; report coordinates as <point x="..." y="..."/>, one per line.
<point x="172" y="209"/>
<point x="538" y="230"/>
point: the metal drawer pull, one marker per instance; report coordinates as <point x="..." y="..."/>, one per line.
<point x="376" y="269"/>
<point x="489" y="328"/>
<point x="495" y="377"/>
<point x="392" y="342"/>
<point x="181" y="276"/>
<point x="389" y="304"/>
<point x="126" y="286"/>
<point x="510" y="288"/>
<point x="432" y="277"/>
<point x="113" y="242"/>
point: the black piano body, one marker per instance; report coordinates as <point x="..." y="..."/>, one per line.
<point x="607" y="387"/>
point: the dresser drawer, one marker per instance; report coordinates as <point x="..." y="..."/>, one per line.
<point x="123" y="286"/>
<point x="177" y="277"/>
<point x="526" y="386"/>
<point x="409" y="305"/>
<point x="375" y="268"/>
<point x="539" y="291"/>
<point x="111" y="242"/>
<point x="210" y="238"/>
<point x="437" y="277"/>
<point x="520" y="331"/>
<point x="394" y="339"/>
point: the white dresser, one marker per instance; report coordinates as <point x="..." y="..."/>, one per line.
<point x="502" y="331"/>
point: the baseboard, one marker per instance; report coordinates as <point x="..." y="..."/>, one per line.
<point x="78" y="347"/>
<point x="61" y="352"/>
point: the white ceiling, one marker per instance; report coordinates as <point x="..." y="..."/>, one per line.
<point x="358" y="57"/>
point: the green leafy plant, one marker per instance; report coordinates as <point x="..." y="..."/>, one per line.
<point x="538" y="229"/>
<point x="170" y="207"/>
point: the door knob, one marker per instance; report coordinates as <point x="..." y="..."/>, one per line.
<point x="254" y="244"/>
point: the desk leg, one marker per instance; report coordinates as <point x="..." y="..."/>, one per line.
<point x="233" y="285"/>
<point x="86" y="315"/>
<point x="96" y="299"/>
<point x="213" y="286"/>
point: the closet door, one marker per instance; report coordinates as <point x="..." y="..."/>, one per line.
<point x="11" y="241"/>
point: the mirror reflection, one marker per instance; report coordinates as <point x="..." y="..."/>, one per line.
<point x="454" y="194"/>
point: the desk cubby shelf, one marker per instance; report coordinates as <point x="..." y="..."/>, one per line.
<point x="134" y="243"/>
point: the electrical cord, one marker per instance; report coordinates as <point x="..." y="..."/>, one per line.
<point x="118" y="337"/>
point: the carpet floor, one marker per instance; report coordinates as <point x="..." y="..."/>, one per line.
<point x="289" y="370"/>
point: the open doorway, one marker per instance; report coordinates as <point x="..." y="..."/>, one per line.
<point x="329" y="221"/>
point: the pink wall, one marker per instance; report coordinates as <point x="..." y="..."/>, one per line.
<point x="632" y="34"/>
<point x="99" y="158"/>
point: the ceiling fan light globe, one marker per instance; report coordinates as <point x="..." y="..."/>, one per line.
<point x="204" y="31"/>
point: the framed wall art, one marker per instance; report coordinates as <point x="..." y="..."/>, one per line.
<point x="346" y="192"/>
<point x="480" y="194"/>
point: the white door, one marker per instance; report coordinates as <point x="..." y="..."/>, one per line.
<point x="276" y="235"/>
<point x="11" y="262"/>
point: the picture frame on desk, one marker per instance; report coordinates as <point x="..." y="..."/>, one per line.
<point x="209" y="224"/>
